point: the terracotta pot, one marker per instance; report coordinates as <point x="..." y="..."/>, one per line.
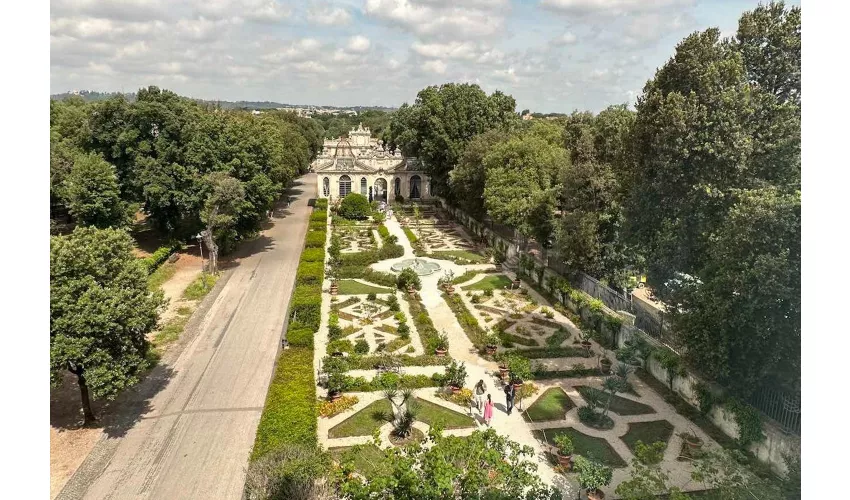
<point x="517" y="385"/>
<point x="503" y="372"/>
<point x="565" y="461"/>
<point x="517" y="282"/>
<point x="586" y="344"/>
<point x="491" y="349"/>
<point x="450" y="290"/>
<point x="693" y="445"/>
<point x="334" y="289"/>
<point x="605" y="365"/>
<point x="595" y="495"/>
<point x="455" y="389"/>
<point x="335" y="396"/>
<point x="440" y="352"/>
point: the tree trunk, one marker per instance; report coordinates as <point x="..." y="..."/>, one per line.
<point x="213" y="250"/>
<point x="88" y="414"/>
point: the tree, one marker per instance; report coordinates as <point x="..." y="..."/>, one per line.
<point x="293" y="471"/>
<point x="520" y="184"/>
<point x="467" y="179"/>
<point x="91" y="193"/>
<point x="225" y="200"/>
<point x="355" y="206"/>
<point x="726" y="472"/>
<point x="481" y="465"/>
<point x="769" y="38"/>
<point x="443" y="120"/>
<point x="646" y="480"/>
<point x="741" y="325"/>
<point x="100" y="312"/>
<point x="702" y="131"/>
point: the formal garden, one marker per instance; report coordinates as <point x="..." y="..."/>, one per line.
<point x="402" y="337"/>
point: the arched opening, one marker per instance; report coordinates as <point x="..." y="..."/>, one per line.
<point x="344" y="186"/>
<point x="326" y="187"/>
<point x="363" y="186"/>
<point x="397" y="186"/>
<point x="415" y="187"/>
<point x="381" y="190"/>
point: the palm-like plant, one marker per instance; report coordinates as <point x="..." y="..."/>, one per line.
<point x="404" y="411"/>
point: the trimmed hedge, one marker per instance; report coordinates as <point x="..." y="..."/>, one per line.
<point x="321" y="204"/>
<point x="318" y="225"/>
<point x="300" y="337"/>
<point x="319" y="215"/>
<point x="306" y="306"/>
<point x="154" y="260"/>
<point x="392" y="381"/>
<point x="310" y="273"/>
<point x="428" y="334"/>
<point x="290" y="413"/>
<point x="315" y="239"/>
<point x="363" y="259"/>
<point x="371" y="362"/>
<point x="313" y="255"/>
<point x="410" y="236"/>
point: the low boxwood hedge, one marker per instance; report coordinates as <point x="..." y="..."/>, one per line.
<point x="315" y="239"/>
<point x="313" y="255"/>
<point x="306" y="306"/>
<point x="310" y="273"/>
<point x="318" y="225"/>
<point x="290" y="411"/>
<point x="386" y="381"/>
<point x="300" y="336"/>
<point x="321" y="204"/>
<point x="154" y="260"/>
<point x="476" y="334"/>
<point x="319" y="215"/>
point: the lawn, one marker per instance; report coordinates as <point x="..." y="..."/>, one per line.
<point x="173" y="329"/>
<point x="162" y="274"/>
<point x="431" y="413"/>
<point x="459" y="254"/>
<point x="365" y="458"/>
<point x="199" y="288"/>
<point x="588" y="446"/>
<point x="499" y="281"/>
<point x="364" y="422"/>
<point x="621" y="406"/>
<point x="551" y="405"/>
<point x="648" y="432"/>
<point x="351" y="287"/>
<point x="410" y="236"/>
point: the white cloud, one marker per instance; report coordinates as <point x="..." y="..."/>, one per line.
<point x="611" y="7"/>
<point x="442" y="19"/>
<point x="436" y="66"/>
<point x="565" y="39"/>
<point x="328" y="16"/>
<point x="358" y="44"/>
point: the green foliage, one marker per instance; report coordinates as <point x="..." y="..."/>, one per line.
<point x="705" y="397"/>
<point x="671" y="362"/>
<point x="591" y="474"/>
<point x="315" y="239"/>
<point x="383" y="232"/>
<point x="355" y="206"/>
<point x="305" y="306"/>
<point x="481" y="465"/>
<point x="321" y="204"/>
<point x="564" y="444"/>
<point x="290" y="413"/>
<point x="92" y="195"/>
<point x="100" y="311"/>
<point x="160" y="255"/>
<point x="319" y="216"/>
<point x="392" y="302"/>
<point x="200" y="287"/>
<point x="455" y="374"/>
<point x="749" y="422"/>
<point x="408" y="278"/>
<point x="361" y="347"/>
<point x="646" y="479"/>
<point x="313" y="255"/>
<point x="410" y="236"/>
<point x="476" y="334"/>
<point x="728" y="474"/>
<point x="310" y="272"/>
<point x="292" y="471"/>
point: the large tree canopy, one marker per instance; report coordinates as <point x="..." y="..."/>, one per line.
<point x="92" y="195"/>
<point x="100" y="311"/>
<point x="443" y="120"/>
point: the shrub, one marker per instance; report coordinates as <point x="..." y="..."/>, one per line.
<point x="319" y="215"/>
<point x="383" y="232"/>
<point x="410" y="236"/>
<point x="290" y="412"/>
<point x="470" y="325"/>
<point x="564" y="444"/>
<point x="390" y="251"/>
<point x="154" y="260"/>
<point x="329" y="409"/>
<point x="342" y="345"/>
<point x="379" y="278"/>
<point x="310" y="273"/>
<point x="392" y="302"/>
<point x="315" y="239"/>
<point x="305" y="306"/>
<point x="361" y="347"/>
<point x="592" y="475"/>
<point x="321" y="204"/>
<point x="399" y="198"/>
<point x="750" y="428"/>
<point x="293" y="471"/>
<point x="355" y="206"/>
<point x="313" y="255"/>
<point x="408" y="278"/>
<point x="404" y="331"/>
<point x="371" y="297"/>
<point x="300" y="337"/>
<point x="318" y="225"/>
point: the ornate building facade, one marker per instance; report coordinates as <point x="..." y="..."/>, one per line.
<point x="359" y="164"/>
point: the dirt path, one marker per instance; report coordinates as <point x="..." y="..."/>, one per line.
<point x="70" y="443"/>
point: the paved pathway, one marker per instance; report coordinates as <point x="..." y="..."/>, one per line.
<point x="192" y="436"/>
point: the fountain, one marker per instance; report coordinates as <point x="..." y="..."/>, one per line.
<point x="420" y="267"/>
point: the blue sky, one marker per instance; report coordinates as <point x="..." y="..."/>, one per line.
<point x="551" y="55"/>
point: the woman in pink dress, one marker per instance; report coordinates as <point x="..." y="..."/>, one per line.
<point x="488" y="410"/>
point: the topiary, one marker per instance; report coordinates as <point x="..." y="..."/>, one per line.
<point x="355" y="206"/>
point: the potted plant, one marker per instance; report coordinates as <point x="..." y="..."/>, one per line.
<point x="692" y="441"/>
<point x="604" y="364"/>
<point x="585" y="340"/>
<point x="491" y="342"/>
<point x="564" y="446"/>
<point x="592" y="477"/>
<point x="456" y="376"/>
<point x="442" y="344"/>
<point x="336" y="383"/>
<point x="520" y="369"/>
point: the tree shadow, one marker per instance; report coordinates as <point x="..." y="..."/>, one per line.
<point x="114" y="417"/>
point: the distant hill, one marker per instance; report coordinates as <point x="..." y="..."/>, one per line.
<point x="88" y="95"/>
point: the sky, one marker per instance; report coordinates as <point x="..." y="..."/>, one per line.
<point x="551" y="55"/>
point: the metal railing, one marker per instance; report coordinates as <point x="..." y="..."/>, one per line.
<point x="782" y="407"/>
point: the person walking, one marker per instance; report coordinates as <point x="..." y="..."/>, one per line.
<point x="509" y="396"/>
<point x="480" y="389"/>
<point x="488" y="411"/>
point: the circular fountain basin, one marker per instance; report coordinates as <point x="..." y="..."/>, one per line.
<point x="420" y="267"/>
